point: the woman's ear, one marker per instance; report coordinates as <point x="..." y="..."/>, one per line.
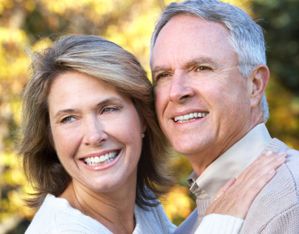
<point x="258" y="81"/>
<point x="143" y="129"/>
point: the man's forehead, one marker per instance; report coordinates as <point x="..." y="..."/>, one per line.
<point x="187" y="45"/>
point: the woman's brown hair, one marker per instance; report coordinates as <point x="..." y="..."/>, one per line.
<point x="106" y="61"/>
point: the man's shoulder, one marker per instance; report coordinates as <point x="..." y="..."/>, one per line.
<point x="291" y="165"/>
<point x="278" y="198"/>
<point x="286" y="181"/>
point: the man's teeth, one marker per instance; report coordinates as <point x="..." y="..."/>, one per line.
<point x="101" y="159"/>
<point x="190" y="116"/>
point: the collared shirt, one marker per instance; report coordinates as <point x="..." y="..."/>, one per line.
<point x="230" y="164"/>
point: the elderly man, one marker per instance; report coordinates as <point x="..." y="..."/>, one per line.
<point x="209" y="70"/>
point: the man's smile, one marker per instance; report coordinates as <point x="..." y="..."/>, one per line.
<point x="189" y="116"/>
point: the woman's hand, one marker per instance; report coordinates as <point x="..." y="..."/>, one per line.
<point x="237" y="195"/>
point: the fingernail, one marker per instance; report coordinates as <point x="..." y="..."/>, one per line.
<point x="269" y="152"/>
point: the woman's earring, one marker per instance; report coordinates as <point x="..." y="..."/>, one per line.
<point x="142" y="135"/>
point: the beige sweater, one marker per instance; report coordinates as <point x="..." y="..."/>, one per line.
<point x="276" y="209"/>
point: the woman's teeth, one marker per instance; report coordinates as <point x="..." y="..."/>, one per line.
<point x="97" y="160"/>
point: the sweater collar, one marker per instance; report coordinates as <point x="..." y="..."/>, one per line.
<point x="231" y="163"/>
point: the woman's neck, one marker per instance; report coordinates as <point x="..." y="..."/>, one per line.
<point x="115" y="210"/>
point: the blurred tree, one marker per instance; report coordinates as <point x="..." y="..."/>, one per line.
<point x="280" y="20"/>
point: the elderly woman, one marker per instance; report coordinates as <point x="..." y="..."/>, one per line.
<point x="93" y="149"/>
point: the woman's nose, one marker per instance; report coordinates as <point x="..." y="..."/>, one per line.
<point x="94" y="132"/>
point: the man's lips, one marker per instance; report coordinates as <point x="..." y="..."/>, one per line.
<point x="189" y="116"/>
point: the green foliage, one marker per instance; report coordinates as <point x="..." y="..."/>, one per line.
<point x="280" y="20"/>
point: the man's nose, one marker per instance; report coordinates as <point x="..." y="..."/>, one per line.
<point x="180" y="88"/>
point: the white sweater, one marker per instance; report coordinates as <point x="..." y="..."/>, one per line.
<point x="56" y="216"/>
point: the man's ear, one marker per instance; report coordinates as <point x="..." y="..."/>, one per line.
<point x="258" y="81"/>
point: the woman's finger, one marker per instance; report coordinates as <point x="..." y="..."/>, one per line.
<point x="236" y="196"/>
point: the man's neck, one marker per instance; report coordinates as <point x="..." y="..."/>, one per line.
<point x="208" y="155"/>
<point x="233" y="161"/>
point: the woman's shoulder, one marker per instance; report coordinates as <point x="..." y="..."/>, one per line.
<point x="152" y="220"/>
<point x="56" y="215"/>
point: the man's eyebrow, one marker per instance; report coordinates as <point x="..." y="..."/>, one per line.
<point x="187" y="65"/>
<point x="200" y="60"/>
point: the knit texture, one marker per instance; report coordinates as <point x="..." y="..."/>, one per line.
<point x="216" y="223"/>
<point x="275" y="210"/>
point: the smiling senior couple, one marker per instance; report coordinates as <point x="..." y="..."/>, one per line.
<point x="94" y="151"/>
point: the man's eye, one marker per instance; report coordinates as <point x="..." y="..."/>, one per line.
<point x="202" y="68"/>
<point x="68" y="119"/>
<point x="161" y="76"/>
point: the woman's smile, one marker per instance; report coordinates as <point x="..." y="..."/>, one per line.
<point x="97" y="137"/>
<point x="101" y="161"/>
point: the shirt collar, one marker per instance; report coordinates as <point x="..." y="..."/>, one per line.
<point x="231" y="163"/>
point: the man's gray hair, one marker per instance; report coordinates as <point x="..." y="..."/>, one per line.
<point x="246" y="36"/>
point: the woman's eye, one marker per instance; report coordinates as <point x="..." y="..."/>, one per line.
<point x="68" y="119"/>
<point x="110" y="109"/>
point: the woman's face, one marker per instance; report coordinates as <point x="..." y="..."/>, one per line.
<point x="96" y="132"/>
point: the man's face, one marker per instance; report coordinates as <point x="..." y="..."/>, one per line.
<point x="202" y="100"/>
